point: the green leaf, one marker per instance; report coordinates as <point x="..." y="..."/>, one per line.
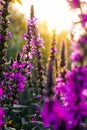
<point x="19" y="106"/>
<point x="9" y="128"/>
<point x="16" y="111"/>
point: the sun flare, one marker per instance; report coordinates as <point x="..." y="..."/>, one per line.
<point x="56" y="13"/>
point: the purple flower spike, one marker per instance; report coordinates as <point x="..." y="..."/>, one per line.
<point x="2" y="114"/>
<point x="54" y="114"/>
<point x="1" y="91"/>
<point x="54" y="50"/>
<point x="76" y="56"/>
<point x="1" y="37"/>
<point x="83" y="18"/>
<point x="82" y="40"/>
<point x="24" y="36"/>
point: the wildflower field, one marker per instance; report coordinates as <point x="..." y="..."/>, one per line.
<point x="39" y="96"/>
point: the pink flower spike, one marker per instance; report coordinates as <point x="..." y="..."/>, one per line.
<point x="9" y="34"/>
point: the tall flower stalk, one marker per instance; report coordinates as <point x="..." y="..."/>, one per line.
<point x="3" y="39"/>
<point x="28" y="51"/>
<point x="52" y="66"/>
<point x="59" y="87"/>
<point x="32" y="49"/>
<point x="63" y="55"/>
<point x="37" y="44"/>
<point x="3" y="33"/>
<point x="34" y="70"/>
<point x="63" y="61"/>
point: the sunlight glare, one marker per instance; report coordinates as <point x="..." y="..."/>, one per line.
<point x="56" y="13"/>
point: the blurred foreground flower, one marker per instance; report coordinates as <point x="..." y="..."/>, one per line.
<point x="74" y="3"/>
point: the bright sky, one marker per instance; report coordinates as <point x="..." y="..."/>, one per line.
<point x="55" y="12"/>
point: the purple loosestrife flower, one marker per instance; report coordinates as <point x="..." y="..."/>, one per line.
<point x="2" y="114"/>
<point x="82" y="46"/>
<point x="76" y="56"/>
<point x="18" y="65"/>
<point x="1" y="91"/>
<point x="35" y="40"/>
<point x="83" y="18"/>
<point x="20" y="81"/>
<point x="76" y="95"/>
<point x="17" y="76"/>
<point x="79" y="50"/>
<point x="54" y="50"/>
<point x="24" y="36"/>
<point x="28" y="50"/>
<point x="36" y="43"/>
<point x="74" y="4"/>
<point x="60" y="87"/>
<point x="82" y="40"/>
<point x="74" y="102"/>
<point x="14" y="80"/>
<point x="1" y="37"/>
<point x="54" y="115"/>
